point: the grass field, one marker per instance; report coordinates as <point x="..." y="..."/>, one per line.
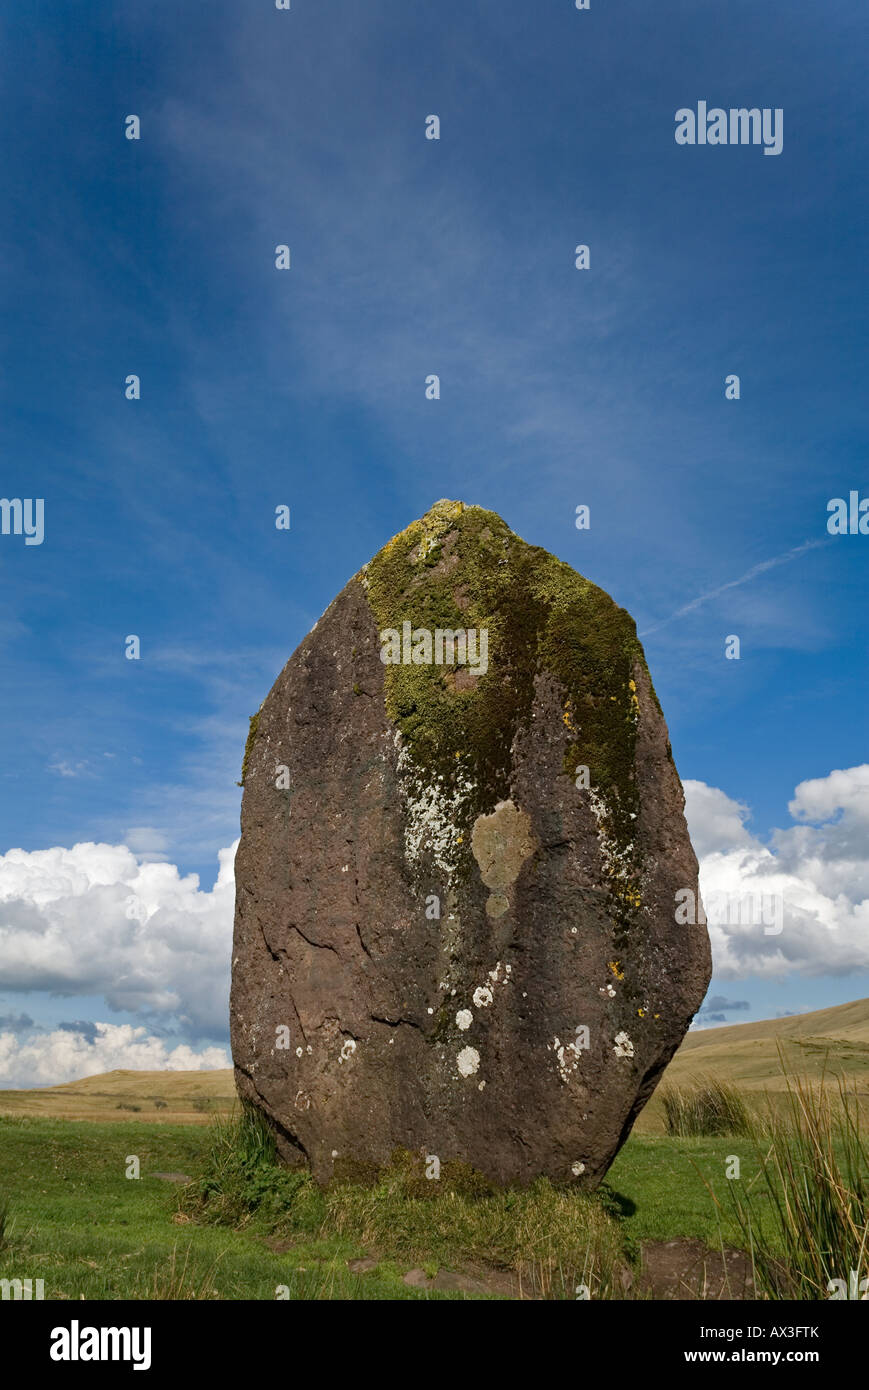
<point x="204" y="1220"/>
<point x="76" y="1221"/>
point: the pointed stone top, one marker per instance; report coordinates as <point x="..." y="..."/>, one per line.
<point x="444" y="510"/>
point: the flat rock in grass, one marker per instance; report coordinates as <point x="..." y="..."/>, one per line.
<point x="446" y="1280"/>
<point x="462" y="843"/>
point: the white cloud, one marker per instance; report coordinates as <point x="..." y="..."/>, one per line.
<point x="97" y="919"/>
<point x="65" y="769"/>
<point x="50" y="1059"/>
<point x="147" y="842"/>
<point x="822" y="797"/>
<point x="820" y="872"/>
<point x="715" y="820"/>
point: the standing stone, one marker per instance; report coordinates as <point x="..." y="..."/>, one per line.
<point x="471" y="947"/>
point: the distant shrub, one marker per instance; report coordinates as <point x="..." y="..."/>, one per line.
<point x="159" y="1105"/>
<point x="121" y="1106"/>
<point x="711" y="1108"/>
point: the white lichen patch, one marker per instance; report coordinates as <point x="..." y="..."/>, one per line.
<point x="425" y="548"/>
<point x="347" y="1050"/>
<point x="616" y="860"/>
<point x="484" y="995"/>
<point x="468" y="1061"/>
<point x="623" y="1045"/>
<point x="608" y="990"/>
<point x="433" y="811"/>
<point x="464" y="1019"/>
<point x="567" y="1055"/>
<point x="577" y="1169"/>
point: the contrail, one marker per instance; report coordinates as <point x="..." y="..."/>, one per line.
<point x="735" y="583"/>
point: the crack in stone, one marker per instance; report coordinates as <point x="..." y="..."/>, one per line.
<point x="356" y="924"/>
<point x="318" y="945"/>
<point x="272" y="952"/>
<point x="396" y="1022"/>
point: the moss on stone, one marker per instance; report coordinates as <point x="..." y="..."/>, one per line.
<point x="248" y="747"/>
<point x="462" y="567"/>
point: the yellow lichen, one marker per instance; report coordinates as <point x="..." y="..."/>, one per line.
<point x="629" y="894"/>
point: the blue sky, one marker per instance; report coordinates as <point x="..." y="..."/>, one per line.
<point x="306" y="387"/>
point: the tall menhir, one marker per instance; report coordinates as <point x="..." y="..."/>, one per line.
<point x="455" y="927"/>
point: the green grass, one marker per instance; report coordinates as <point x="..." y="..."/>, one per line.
<point x="78" y="1223"/>
<point x="673" y="1187"/>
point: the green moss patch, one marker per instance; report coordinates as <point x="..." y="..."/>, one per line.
<point x="462" y="567"/>
<point x="248" y="747"/>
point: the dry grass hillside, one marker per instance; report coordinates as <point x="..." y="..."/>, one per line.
<point x="755" y="1057"/>
<point x="180" y="1097"/>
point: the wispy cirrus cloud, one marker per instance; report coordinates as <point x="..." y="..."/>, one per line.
<point x="762" y="568"/>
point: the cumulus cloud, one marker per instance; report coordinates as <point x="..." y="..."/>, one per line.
<point x="99" y="919"/>
<point x="715" y="821"/>
<point x="49" y="1059"/>
<point x="817" y="873"/>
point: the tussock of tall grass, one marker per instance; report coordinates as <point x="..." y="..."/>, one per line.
<point x="812" y="1224"/>
<point x="552" y="1240"/>
<point x="712" y="1107"/>
<point x="242" y="1175"/>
